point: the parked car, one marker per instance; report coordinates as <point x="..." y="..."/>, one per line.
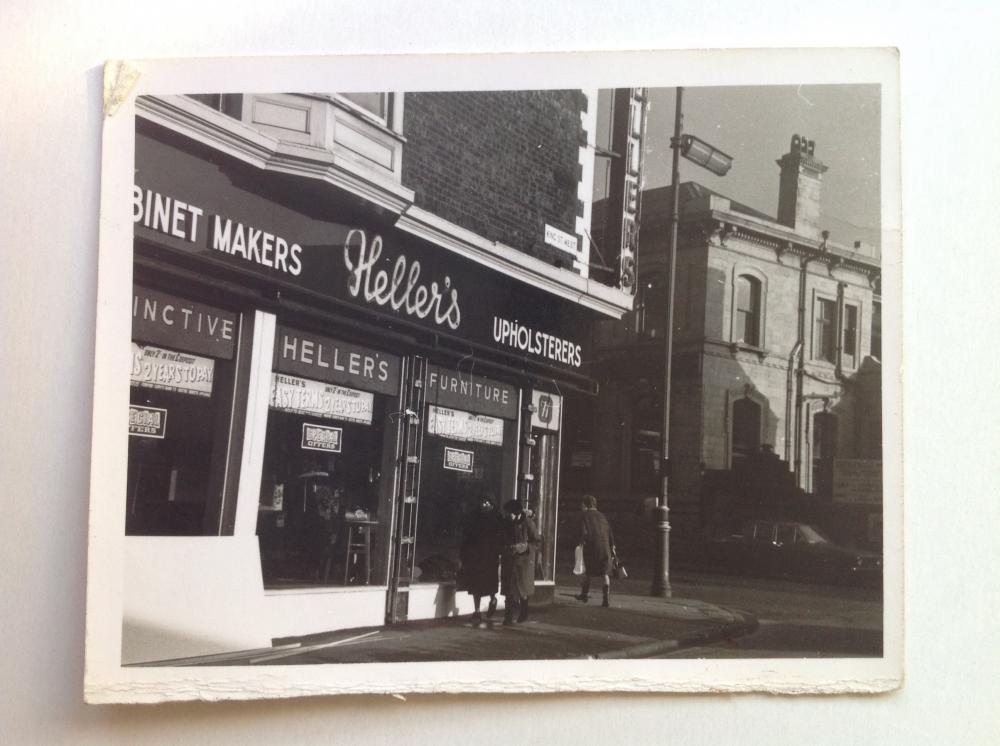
<point x="793" y="550"/>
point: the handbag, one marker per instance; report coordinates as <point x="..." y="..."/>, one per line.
<point x="578" y="568"/>
<point x="618" y="570"/>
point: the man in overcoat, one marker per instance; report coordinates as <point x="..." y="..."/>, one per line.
<point x="598" y="543"/>
<point x="517" y="568"/>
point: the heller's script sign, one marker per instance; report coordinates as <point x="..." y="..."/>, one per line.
<point x="321" y="437"/>
<point x="857" y="481"/>
<point x="169" y="370"/>
<point x="458" y="425"/>
<point x="400" y="288"/>
<point x="458" y="460"/>
<point x="303" y="396"/>
<point x="147" y="422"/>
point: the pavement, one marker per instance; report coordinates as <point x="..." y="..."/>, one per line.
<point x="635" y="626"/>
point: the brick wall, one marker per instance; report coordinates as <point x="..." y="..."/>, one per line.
<point x="499" y="163"/>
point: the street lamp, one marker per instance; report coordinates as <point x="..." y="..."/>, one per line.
<point x="707" y="156"/>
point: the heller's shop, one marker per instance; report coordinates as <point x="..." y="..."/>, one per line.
<point x="319" y="400"/>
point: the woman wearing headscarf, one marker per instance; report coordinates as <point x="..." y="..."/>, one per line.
<point x="517" y="570"/>
<point x="598" y="544"/>
<point x="480" y="554"/>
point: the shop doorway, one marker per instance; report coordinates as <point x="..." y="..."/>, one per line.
<point x="457" y="474"/>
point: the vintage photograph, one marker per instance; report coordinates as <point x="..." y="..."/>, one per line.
<point x="462" y="376"/>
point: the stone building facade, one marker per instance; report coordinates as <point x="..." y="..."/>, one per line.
<point x="776" y="371"/>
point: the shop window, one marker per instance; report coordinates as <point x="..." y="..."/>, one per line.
<point x="180" y="404"/>
<point x="545" y="504"/>
<point x="850" y="336"/>
<point x="747" y="326"/>
<point x="469" y="454"/>
<point x="546" y="431"/>
<point x="324" y="503"/>
<point x="824" y="330"/>
<point x="824" y="451"/>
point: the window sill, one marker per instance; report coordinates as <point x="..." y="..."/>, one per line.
<point x="324" y="590"/>
<point x="760" y="352"/>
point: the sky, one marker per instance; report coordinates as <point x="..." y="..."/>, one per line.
<point x="755" y="124"/>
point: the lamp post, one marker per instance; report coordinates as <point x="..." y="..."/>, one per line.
<point x="711" y="158"/>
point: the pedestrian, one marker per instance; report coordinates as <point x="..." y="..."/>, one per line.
<point x="517" y="569"/>
<point x="598" y="542"/>
<point x="480" y="555"/>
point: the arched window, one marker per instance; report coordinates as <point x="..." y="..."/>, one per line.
<point x="747" y="319"/>
<point x="746" y="430"/>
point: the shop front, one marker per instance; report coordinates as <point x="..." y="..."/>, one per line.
<point x="320" y="399"/>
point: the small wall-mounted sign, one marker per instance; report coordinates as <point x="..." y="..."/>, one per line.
<point x="321" y="438"/>
<point x="147" y="422"/>
<point x="561" y="239"/>
<point x="458" y="460"/>
<point x="547" y="410"/>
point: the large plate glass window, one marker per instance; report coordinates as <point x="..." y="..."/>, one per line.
<point x="326" y="484"/>
<point x="180" y="408"/>
<point x="469" y="454"/>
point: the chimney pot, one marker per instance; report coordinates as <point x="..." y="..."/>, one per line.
<point x="799" y="187"/>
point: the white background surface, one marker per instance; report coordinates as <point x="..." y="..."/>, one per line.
<point x="50" y="112"/>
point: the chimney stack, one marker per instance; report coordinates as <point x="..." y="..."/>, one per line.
<point x="799" y="189"/>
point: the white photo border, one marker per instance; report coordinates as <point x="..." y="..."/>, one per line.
<point x="107" y="681"/>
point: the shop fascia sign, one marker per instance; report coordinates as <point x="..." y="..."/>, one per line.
<point x="372" y="277"/>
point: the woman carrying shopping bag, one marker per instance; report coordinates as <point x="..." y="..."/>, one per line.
<point x="598" y="542"/>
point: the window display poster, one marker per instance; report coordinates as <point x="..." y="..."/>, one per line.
<point x="304" y="396"/>
<point x="458" y="460"/>
<point x="321" y="437"/>
<point x="169" y="370"/>
<point x="459" y="425"/>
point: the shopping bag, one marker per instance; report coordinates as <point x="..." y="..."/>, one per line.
<point x="618" y="569"/>
<point x="578" y="568"/>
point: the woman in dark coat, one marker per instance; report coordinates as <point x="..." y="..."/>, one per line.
<point x="517" y="569"/>
<point x="480" y="554"/>
<point x="598" y="543"/>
